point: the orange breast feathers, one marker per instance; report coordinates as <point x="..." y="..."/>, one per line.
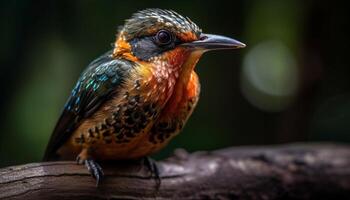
<point x="187" y="85"/>
<point x="182" y="94"/>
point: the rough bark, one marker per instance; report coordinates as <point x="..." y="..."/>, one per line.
<point x="294" y="171"/>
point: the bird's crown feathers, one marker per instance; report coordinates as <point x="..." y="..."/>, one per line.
<point x="149" y="21"/>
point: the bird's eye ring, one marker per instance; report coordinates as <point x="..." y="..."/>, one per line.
<point x="163" y="37"/>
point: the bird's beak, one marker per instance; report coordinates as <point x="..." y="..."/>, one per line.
<point x="208" y="42"/>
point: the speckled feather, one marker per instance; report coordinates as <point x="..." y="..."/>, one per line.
<point x="94" y="86"/>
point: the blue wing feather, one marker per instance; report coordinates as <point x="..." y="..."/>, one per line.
<point x="93" y="88"/>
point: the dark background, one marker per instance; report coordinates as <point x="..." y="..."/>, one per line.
<point x="290" y="84"/>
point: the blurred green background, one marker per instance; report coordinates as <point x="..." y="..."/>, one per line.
<point x="290" y="84"/>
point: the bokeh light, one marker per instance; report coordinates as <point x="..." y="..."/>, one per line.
<point x="269" y="77"/>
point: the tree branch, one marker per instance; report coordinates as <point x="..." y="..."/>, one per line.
<point x="295" y="171"/>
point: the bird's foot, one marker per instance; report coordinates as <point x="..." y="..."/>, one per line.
<point x="153" y="168"/>
<point x="93" y="167"/>
<point x="95" y="170"/>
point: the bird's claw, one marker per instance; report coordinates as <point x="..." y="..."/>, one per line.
<point x="153" y="168"/>
<point x="79" y="160"/>
<point x="95" y="170"/>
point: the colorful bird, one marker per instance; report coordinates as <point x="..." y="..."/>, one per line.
<point x="130" y="102"/>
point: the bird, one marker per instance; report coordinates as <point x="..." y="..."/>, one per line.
<point x="131" y="101"/>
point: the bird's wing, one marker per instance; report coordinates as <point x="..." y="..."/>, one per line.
<point x="102" y="76"/>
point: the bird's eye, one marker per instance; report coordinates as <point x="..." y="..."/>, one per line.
<point x="163" y="37"/>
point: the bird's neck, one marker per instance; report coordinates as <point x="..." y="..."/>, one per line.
<point x="188" y="66"/>
<point x="174" y="74"/>
<point x="176" y="66"/>
<point x="181" y="90"/>
<point x="169" y="74"/>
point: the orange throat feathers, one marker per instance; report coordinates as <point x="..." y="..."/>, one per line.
<point x="186" y="84"/>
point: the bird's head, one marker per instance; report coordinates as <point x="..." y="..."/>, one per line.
<point x="154" y="34"/>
